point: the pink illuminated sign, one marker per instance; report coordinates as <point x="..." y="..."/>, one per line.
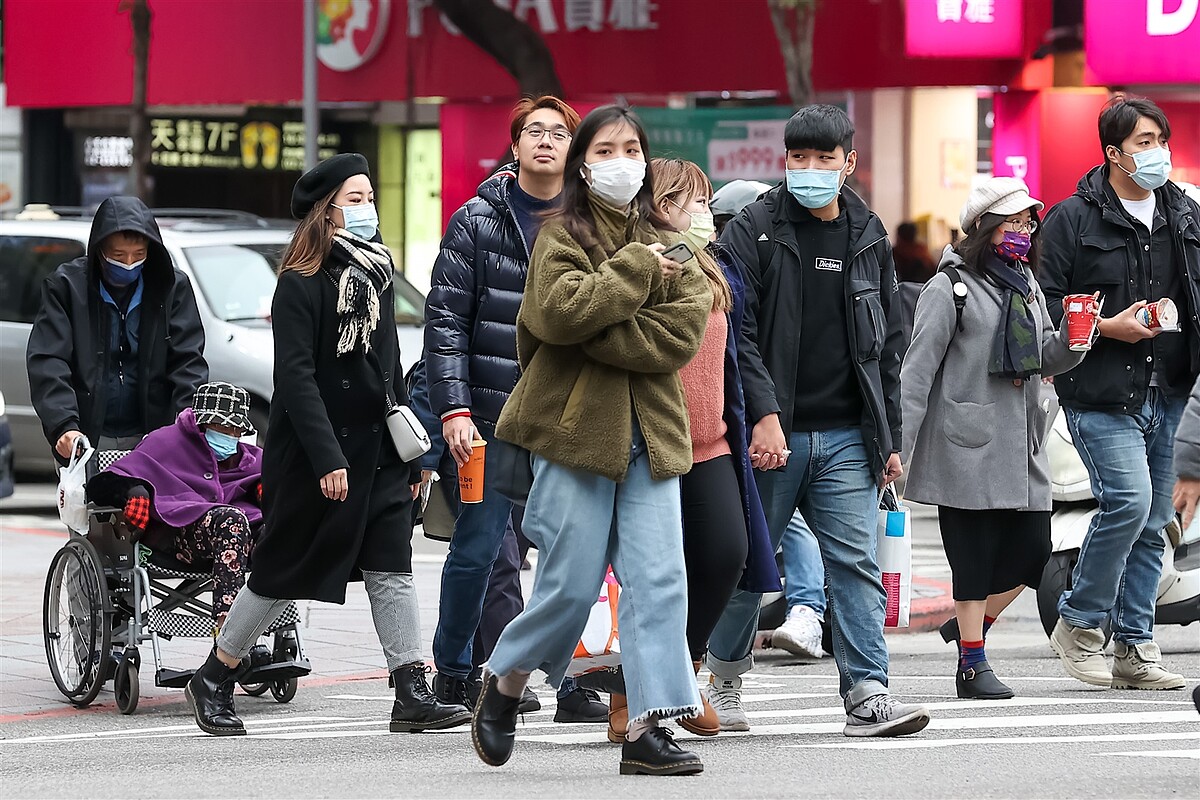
<point x="963" y="28"/>
<point x="1143" y="41"/>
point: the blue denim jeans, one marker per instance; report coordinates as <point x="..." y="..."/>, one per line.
<point x="478" y="533"/>
<point x="829" y="478"/>
<point x="1128" y="458"/>
<point x="581" y="523"/>
<point x="803" y="572"/>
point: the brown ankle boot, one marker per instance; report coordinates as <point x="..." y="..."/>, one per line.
<point x="706" y="722"/>
<point x="618" y="718"/>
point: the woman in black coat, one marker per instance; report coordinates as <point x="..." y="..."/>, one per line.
<point x="337" y="501"/>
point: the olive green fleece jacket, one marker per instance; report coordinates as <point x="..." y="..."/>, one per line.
<point x="602" y="336"/>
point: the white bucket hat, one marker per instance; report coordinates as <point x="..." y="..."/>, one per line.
<point x="1003" y="196"/>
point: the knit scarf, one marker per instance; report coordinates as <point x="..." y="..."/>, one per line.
<point x="1015" y="350"/>
<point x="362" y="271"/>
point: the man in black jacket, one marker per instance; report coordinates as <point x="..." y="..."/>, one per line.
<point x="116" y="348"/>
<point x="821" y="377"/>
<point x="471" y="365"/>
<point x="1132" y="235"/>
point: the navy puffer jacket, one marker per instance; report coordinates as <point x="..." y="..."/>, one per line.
<point x="471" y="311"/>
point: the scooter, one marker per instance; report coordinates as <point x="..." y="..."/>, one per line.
<point x="1178" y="600"/>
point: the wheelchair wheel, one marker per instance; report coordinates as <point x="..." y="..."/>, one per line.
<point x="125" y="687"/>
<point x="284" y="691"/>
<point x="75" y="621"/>
<point x="255" y="689"/>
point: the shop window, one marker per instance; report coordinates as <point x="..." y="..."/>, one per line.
<point x="25" y="261"/>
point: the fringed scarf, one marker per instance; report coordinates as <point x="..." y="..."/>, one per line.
<point x="1016" y="353"/>
<point x="362" y="271"/>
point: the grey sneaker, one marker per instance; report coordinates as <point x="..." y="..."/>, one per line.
<point x="800" y="634"/>
<point x="725" y="697"/>
<point x="884" y="715"/>
<point x="1140" y="666"/>
<point x="1081" y="651"/>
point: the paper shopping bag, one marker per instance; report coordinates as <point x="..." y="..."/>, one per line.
<point x="599" y="647"/>
<point x="893" y="550"/>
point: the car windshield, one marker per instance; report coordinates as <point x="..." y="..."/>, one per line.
<point x="237" y="280"/>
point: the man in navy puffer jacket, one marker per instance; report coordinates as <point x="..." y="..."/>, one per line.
<point x="471" y="360"/>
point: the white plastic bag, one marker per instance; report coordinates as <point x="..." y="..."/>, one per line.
<point x="599" y="647"/>
<point x="893" y="550"/>
<point x="72" y="494"/>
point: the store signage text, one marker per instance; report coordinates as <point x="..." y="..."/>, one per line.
<point x="230" y="144"/>
<point x="964" y="28"/>
<point x="553" y="16"/>
<point x="1117" y="44"/>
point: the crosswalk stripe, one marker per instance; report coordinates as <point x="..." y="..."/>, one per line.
<point x="1194" y="754"/>
<point x="930" y="744"/>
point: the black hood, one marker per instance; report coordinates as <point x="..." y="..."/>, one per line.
<point x="494" y="188"/>
<point x="1095" y="189"/>
<point x="128" y="214"/>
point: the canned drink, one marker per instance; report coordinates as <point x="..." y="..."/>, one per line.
<point x="1162" y="315"/>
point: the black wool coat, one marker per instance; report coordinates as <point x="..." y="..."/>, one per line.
<point x="327" y="414"/>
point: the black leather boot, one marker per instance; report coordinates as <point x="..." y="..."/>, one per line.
<point x="980" y="683"/>
<point x="656" y="753"/>
<point x="949" y="632"/>
<point x="494" y="725"/>
<point x="416" y="709"/>
<point x="455" y="691"/>
<point x="210" y="694"/>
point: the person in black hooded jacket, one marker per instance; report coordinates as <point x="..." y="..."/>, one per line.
<point x="116" y="348"/>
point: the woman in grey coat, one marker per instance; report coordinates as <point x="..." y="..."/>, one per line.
<point x="974" y="423"/>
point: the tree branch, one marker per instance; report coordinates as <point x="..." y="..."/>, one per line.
<point x="512" y="43"/>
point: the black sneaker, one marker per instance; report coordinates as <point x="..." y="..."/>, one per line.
<point x="581" y="705"/>
<point x="529" y="702"/>
<point x="656" y="753"/>
<point x="494" y="724"/>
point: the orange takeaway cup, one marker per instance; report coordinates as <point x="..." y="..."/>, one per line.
<point x="470" y="475"/>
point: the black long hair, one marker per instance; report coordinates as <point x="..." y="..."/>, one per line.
<point x="975" y="246"/>
<point x="574" y="213"/>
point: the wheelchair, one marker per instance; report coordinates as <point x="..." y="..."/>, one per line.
<point x="107" y="594"/>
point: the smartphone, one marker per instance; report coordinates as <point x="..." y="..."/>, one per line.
<point x="679" y="253"/>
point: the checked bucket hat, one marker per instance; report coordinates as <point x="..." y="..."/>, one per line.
<point x="224" y="404"/>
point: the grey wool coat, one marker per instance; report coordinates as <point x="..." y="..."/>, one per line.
<point x="972" y="440"/>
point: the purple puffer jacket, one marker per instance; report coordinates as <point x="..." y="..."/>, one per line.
<point x="180" y="467"/>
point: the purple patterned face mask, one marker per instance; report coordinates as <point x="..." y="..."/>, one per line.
<point x="1015" y="246"/>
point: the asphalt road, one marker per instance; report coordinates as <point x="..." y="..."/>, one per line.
<point x="1058" y="738"/>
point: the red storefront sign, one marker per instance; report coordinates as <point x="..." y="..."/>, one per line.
<point x="1143" y="41"/>
<point x="964" y="28"/>
<point x="235" y="52"/>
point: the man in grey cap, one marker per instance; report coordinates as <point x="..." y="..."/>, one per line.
<point x="1130" y="234"/>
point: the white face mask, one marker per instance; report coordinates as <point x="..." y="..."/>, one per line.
<point x="617" y="180"/>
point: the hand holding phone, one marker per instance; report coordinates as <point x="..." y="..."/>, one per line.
<point x="679" y="253"/>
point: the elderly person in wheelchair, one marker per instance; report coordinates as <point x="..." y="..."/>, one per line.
<point x="194" y="489"/>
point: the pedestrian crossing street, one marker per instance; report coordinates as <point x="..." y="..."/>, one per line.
<point x="803" y="711"/>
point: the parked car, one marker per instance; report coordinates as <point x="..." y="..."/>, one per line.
<point x="6" y="453"/>
<point x="231" y="259"/>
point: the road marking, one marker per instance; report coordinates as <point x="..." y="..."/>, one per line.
<point x="926" y="744"/>
<point x="1193" y="754"/>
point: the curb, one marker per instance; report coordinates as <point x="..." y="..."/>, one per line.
<point x="931" y="609"/>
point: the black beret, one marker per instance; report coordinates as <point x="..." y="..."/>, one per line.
<point x="324" y="178"/>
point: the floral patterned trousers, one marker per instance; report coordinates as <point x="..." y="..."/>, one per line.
<point x="222" y="535"/>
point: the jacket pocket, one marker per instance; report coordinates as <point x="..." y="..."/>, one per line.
<point x="575" y="400"/>
<point x="1104" y="260"/>
<point x="869" y="325"/>
<point x="968" y="424"/>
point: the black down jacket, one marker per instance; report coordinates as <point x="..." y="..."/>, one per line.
<point x="471" y="311"/>
<point x="69" y="354"/>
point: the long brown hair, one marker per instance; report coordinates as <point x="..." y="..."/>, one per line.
<point x="312" y="240"/>
<point x="677" y="181"/>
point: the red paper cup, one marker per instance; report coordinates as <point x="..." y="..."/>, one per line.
<point x="1162" y="315"/>
<point x="1081" y="320"/>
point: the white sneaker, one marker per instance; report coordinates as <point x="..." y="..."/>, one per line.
<point x="725" y="697"/>
<point x="1081" y="651"/>
<point x="1140" y="666"/>
<point x="884" y="715"/>
<point x="800" y="634"/>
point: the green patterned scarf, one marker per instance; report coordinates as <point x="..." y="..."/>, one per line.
<point x="1016" y="353"/>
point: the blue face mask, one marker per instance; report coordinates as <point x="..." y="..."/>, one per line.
<point x="118" y="274"/>
<point x="361" y="220"/>
<point x="1153" y="167"/>
<point x="814" y="188"/>
<point x="223" y="445"/>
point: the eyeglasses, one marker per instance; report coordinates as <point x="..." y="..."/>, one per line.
<point x="534" y="133"/>
<point x="1017" y="226"/>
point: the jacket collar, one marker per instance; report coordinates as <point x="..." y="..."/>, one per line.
<point x="494" y="189"/>
<point x="865" y="226"/>
<point x="1095" y="189"/>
